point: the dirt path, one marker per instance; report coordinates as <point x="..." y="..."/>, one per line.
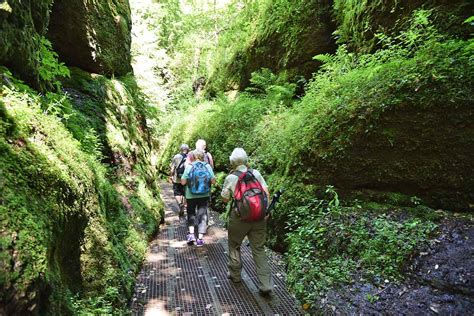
<point x="178" y="279"/>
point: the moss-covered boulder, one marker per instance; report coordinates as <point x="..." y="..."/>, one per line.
<point x="92" y="35"/>
<point x="21" y="25"/>
<point x="286" y="39"/>
<point x="399" y="126"/>
<point x="359" y="21"/>
<point x="74" y="230"/>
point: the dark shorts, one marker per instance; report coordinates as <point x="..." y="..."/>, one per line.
<point x="178" y="189"/>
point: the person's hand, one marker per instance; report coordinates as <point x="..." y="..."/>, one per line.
<point x="170" y="179"/>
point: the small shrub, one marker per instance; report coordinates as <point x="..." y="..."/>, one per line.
<point x="49" y="68"/>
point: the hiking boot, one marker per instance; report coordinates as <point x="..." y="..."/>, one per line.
<point x="200" y="243"/>
<point x="234" y="280"/>
<point x="191" y="239"/>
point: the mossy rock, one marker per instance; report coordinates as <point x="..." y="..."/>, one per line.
<point x="359" y="21"/>
<point x="74" y="230"/>
<point x="288" y="45"/>
<point x="21" y="22"/>
<point x="93" y="35"/>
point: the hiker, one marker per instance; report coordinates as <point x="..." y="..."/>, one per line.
<point x="198" y="178"/>
<point x="247" y="218"/>
<point x="176" y="172"/>
<point x="201" y="145"/>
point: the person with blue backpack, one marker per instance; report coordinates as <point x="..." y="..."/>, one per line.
<point x="198" y="178"/>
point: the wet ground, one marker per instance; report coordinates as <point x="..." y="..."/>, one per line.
<point x="439" y="281"/>
<point x="178" y="279"/>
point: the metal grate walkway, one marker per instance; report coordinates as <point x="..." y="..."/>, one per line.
<point x="178" y="279"/>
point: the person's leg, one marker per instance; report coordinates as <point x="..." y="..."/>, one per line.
<point x="201" y="214"/>
<point x="182" y="199"/>
<point x="257" y="236"/>
<point x="192" y="204"/>
<point x="237" y="232"/>
<point x="178" y="192"/>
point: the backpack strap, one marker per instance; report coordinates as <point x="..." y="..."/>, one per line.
<point x="182" y="161"/>
<point x="237" y="173"/>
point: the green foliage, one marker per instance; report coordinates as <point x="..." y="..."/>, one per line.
<point x="49" y="68"/>
<point x="359" y="21"/>
<point x="333" y="244"/>
<point x="305" y="144"/>
<point x="68" y="222"/>
<point x="275" y="89"/>
<point x="272" y="33"/>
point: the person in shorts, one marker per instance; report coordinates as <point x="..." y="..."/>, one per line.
<point x="177" y="168"/>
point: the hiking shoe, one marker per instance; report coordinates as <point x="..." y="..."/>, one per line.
<point x="191" y="239"/>
<point x="200" y="243"/>
<point x="234" y="280"/>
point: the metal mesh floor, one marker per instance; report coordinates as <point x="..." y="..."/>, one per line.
<point x="178" y="279"/>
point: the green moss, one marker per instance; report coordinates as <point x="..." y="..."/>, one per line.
<point x="280" y="35"/>
<point x="376" y="127"/>
<point x="70" y="226"/>
<point x="331" y="245"/>
<point x="20" y="26"/>
<point x="359" y="21"/>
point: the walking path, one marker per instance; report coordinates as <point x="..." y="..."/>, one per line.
<point x="178" y="279"/>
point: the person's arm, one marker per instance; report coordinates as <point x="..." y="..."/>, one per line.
<point x="184" y="178"/>
<point x="225" y="194"/>
<point x="262" y="181"/>
<point x="267" y="193"/>
<point x="172" y="170"/>
<point x="211" y="160"/>
<point x="213" y="177"/>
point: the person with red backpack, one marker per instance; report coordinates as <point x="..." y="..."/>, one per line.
<point x="176" y="172"/>
<point x="249" y="194"/>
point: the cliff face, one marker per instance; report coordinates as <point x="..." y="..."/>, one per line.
<point x="74" y="230"/>
<point x="317" y="26"/>
<point x="92" y="35"/>
<point x="22" y="23"/>
<point x="358" y="21"/>
<point x="78" y="195"/>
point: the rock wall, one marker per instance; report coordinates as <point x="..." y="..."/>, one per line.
<point x="92" y="35"/>
<point x="321" y="24"/>
<point x="358" y="21"/>
<point x="307" y="33"/>
<point x="21" y="23"/>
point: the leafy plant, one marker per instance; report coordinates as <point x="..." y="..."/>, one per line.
<point x="49" y="68"/>
<point x="329" y="244"/>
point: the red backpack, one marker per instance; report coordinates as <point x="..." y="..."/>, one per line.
<point x="249" y="198"/>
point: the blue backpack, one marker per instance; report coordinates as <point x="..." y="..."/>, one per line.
<point x="199" y="178"/>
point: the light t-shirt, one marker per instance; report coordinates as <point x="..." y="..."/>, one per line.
<point x="231" y="181"/>
<point x="207" y="158"/>
<point x="185" y="176"/>
<point x="175" y="162"/>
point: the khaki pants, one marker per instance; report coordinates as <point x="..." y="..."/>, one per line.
<point x="256" y="233"/>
